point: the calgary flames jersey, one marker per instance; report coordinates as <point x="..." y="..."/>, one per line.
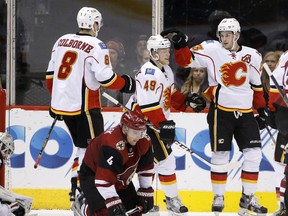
<point x="156" y="93"/>
<point x="115" y="162"/>
<point x="281" y="75"/>
<point x="79" y="65"/>
<point x="234" y="77"/>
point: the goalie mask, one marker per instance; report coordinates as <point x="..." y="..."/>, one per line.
<point x="6" y="145"/>
<point x="86" y="18"/>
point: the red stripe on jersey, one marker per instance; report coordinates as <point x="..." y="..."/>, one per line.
<point x="183" y="56"/>
<point x="218" y="178"/>
<point x="49" y="84"/>
<point x="258" y="99"/>
<point x="178" y="101"/>
<point x="274" y="97"/>
<point x="92" y="99"/>
<point x="116" y="84"/>
<point x="209" y="93"/>
<point x="250" y="177"/>
<point x="155" y="116"/>
<point x="167" y="179"/>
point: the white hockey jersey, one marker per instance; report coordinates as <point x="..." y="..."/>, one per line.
<point x="281" y="75"/>
<point x="79" y="65"/>
<point x="237" y="73"/>
<point x="156" y="93"/>
<point x="234" y="77"/>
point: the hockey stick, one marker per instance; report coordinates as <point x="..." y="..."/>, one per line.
<point x="220" y="167"/>
<point x="270" y="134"/>
<point x="223" y="167"/>
<point x="45" y="143"/>
<point x="275" y="83"/>
<point x="138" y="209"/>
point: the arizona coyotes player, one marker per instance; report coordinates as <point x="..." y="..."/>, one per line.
<point x="110" y="162"/>
<point x="278" y="117"/>
<point x="155" y="95"/>
<point x="79" y="66"/>
<point x="234" y="89"/>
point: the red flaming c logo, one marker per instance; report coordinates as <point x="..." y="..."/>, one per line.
<point x="231" y="73"/>
<point x="167" y="98"/>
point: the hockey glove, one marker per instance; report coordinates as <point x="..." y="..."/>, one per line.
<point x="167" y="131"/>
<point x="115" y="207"/>
<point x="130" y="84"/>
<point x="196" y="102"/>
<point x="53" y="115"/>
<point x="145" y="198"/>
<point x="179" y="39"/>
<point x="19" y="211"/>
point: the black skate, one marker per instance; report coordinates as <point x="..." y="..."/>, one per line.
<point x="175" y="206"/>
<point x="72" y="193"/>
<point x="218" y="204"/>
<point x="249" y="206"/>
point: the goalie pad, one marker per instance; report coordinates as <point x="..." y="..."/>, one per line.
<point x="9" y="196"/>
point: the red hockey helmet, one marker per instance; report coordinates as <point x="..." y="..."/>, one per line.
<point x="134" y="120"/>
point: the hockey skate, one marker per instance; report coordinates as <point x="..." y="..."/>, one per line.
<point x="78" y="204"/>
<point x="249" y="206"/>
<point x="153" y="212"/>
<point x="218" y="204"/>
<point x="175" y="206"/>
<point x="72" y="193"/>
<point x="281" y="211"/>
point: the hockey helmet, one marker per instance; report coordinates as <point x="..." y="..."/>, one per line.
<point x="156" y="42"/>
<point x="134" y="120"/>
<point x="87" y="16"/>
<point x="228" y="24"/>
<point x="6" y="145"/>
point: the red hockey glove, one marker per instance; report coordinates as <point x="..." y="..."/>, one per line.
<point x="115" y="207"/>
<point x="145" y="198"/>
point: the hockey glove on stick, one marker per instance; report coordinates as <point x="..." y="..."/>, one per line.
<point x="53" y="115"/>
<point x="130" y="84"/>
<point x="196" y="102"/>
<point x="115" y="207"/>
<point x="167" y="131"/>
<point x="145" y="198"/>
<point x="179" y="39"/>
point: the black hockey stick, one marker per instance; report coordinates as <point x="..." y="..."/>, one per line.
<point x="276" y="83"/>
<point x="45" y="143"/>
<point x="224" y="167"/>
<point x="270" y="134"/>
<point x="138" y="209"/>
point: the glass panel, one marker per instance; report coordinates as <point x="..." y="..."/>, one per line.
<point x="41" y="22"/>
<point x="263" y="23"/>
<point x="3" y="41"/>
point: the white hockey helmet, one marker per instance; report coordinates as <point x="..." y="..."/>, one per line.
<point x="156" y="42"/>
<point x="228" y="24"/>
<point x="6" y="145"/>
<point x="87" y="16"/>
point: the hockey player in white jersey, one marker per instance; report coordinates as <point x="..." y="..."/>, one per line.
<point x="79" y="66"/>
<point x="234" y="89"/>
<point x="11" y="204"/>
<point x="155" y="95"/>
<point x="278" y="118"/>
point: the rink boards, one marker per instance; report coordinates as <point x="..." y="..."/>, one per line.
<point x="49" y="183"/>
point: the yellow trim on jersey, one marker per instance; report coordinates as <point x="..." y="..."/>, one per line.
<point x="66" y="113"/>
<point x="234" y="109"/>
<point x="273" y="90"/>
<point x="168" y="183"/>
<point x="257" y="89"/>
<point x="149" y="109"/>
<point x="218" y="182"/>
<point x="49" y="76"/>
<point x="249" y="181"/>
<point x="90" y="123"/>
<point x="111" y="82"/>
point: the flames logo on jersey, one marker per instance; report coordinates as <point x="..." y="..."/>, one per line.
<point x="167" y="98"/>
<point x="233" y="73"/>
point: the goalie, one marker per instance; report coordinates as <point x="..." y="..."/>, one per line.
<point x="11" y="204"/>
